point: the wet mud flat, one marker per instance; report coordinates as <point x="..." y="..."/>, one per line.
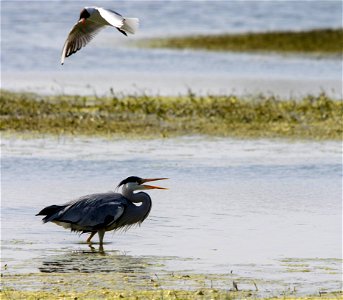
<point x="91" y="274"/>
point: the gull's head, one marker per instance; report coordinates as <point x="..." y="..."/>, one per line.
<point x="85" y="14"/>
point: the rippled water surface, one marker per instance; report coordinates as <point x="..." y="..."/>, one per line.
<point x="33" y="33"/>
<point x="264" y="209"/>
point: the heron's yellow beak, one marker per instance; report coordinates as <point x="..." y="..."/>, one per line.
<point x="150" y="187"/>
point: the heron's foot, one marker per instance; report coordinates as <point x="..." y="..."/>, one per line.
<point x="91" y="247"/>
<point x="101" y="248"/>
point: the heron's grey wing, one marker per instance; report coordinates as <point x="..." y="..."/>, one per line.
<point x="111" y="17"/>
<point x="80" y="35"/>
<point x="103" y="216"/>
<point x="93" y="212"/>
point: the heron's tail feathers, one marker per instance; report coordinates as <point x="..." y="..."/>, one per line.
<point x="49" y="211"/>
<point x="130" y="25"/>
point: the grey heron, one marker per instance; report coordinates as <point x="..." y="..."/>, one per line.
<point x="98" y="213"/>
<point x="92" y="19"/>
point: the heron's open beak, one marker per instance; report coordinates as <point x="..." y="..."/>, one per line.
<point x="150" y="187"/>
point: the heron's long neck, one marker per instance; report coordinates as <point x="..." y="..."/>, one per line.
<point x="142" y="198"/>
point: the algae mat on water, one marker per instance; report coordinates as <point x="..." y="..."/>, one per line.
<point x="156" y="294"/>
<point x="78" y="285"/>
<point x="313" y="117"/>
<point x="318" y="41"/>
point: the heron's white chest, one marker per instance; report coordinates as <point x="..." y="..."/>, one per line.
<point x="63" y="224"/>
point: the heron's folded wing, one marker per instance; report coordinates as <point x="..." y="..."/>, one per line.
<point x="93" y="211"/>
<point x="103" y="216"/>
<point x="111" y="17"/>
<point x="80" y="35"/>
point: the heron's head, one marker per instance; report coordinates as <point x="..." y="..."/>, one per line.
<point x="135" y="183"/>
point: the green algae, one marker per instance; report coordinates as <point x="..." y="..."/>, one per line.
<point x="204" y="293"/>
<point x="89" y="286"/>
<point x="149" y="282"/>
<point x="312" y="117"/>
<point x="114" y="286"/>
<point x="110" y="294"/>
<point x="315" y="265"/>
<point x="319" y="41"/>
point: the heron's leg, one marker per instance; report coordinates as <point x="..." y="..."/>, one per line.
<point x="101" y="238"/>
<point x="90" y="237"/>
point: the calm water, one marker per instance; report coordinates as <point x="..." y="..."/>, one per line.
<point x="33" y="33"/>
<point x="249" y="206"/>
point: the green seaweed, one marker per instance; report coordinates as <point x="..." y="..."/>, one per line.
<point x="136" y="282"/>
<point x="313" y="117"/>
<point x="321" y="41"/>
<point x="106" y="286"/>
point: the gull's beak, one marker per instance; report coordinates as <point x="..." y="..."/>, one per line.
<point x="82" y="20"/>
<point x="150" y="187"/>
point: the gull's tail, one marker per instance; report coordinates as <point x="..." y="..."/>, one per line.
<point x="130" y="25"/>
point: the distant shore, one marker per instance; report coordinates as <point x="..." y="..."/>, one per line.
<point x="317" y="41"/>
<point x="313" y="117"/>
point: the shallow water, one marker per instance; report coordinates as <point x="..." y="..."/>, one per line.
<point x="262" y="209"/>
<point x="33" y="33"/>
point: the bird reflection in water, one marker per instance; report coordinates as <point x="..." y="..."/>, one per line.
<point x="95" y="261"/>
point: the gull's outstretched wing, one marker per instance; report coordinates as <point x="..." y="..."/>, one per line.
<point x="111" y="17"/>
<point x="81" y="34"/>
<point x="123" y="24"/>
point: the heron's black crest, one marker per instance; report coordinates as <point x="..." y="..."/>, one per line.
<point x="84" y="14"/>
<point x="130" y="179"/>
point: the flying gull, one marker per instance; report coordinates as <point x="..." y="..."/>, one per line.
<point x="92" y="20"/>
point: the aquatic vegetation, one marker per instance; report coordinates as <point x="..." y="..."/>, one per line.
<point x="145" y="279"/>
<point x="313" y="117"/>
<point x="324" y="41"/>
<point x="110" y="294"/>
<point x="78" y="285"/>
<point x="154" y="294"/>
<point x="113" y="285"/>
